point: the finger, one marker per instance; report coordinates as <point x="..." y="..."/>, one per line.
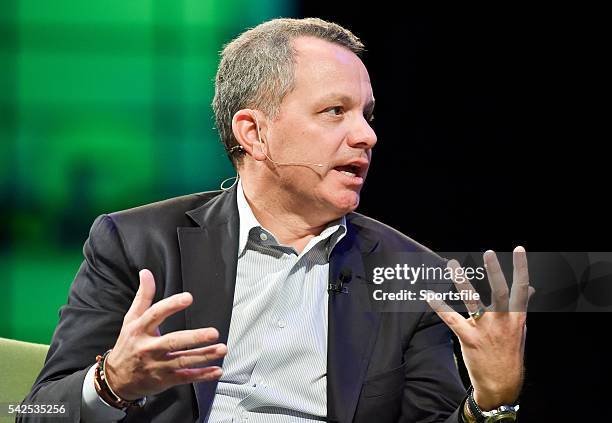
<point x="519" y="295"/>
<point x="144" y="296"/>
<point x="497" y="281"/>
<point x="205" y="374"/>
<point x="453" y="320"/>
<point x="186" y="339"/>
<point x="208" y="354"/>
<point x="523" y="337"/>
<point x="159" y="311"/>
<point x="194" y="351"/>
<point x="463" y="284"/>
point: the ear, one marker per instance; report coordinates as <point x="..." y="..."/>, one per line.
<point x="248" y="134"/>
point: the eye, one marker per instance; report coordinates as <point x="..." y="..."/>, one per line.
<point x="335" y="111"/>
<point x="370" y="118"/>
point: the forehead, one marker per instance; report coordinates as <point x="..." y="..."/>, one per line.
<point x="323" y="67"/>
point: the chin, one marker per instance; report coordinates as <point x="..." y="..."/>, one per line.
<point x="347" y="202"/>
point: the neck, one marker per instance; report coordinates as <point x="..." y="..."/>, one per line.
<point x="286" y="220"/>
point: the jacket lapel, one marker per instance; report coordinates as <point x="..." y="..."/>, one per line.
<point x="352" y="327"/>
<point x="208" y="263"/>
<point x="209" y="256"/>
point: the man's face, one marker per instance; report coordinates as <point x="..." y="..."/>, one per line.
<point x="326" y="120"/>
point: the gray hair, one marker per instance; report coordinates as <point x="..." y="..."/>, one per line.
<point x="257" y="70"/>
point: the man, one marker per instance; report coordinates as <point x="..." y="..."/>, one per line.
<point x="250" y="267"/>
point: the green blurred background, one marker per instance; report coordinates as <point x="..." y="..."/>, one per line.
<point x="103" y="106"/>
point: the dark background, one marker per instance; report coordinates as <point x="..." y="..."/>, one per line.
<point x="491" y="134"/>
<point x="490" y="123"/>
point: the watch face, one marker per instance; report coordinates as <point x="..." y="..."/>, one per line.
<point x="500" y="416"/>
<point x="504" y="413"/>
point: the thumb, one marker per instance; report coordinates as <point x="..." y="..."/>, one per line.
<point x="144" y="295"/>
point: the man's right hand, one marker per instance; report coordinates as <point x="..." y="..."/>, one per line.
<point x="144" y="363"/>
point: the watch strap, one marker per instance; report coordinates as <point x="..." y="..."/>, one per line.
<point x="502" y="414"/>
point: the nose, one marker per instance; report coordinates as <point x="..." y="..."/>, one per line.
<point x="362" y="134"/>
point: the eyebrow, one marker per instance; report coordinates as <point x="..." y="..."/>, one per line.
<point x="368" y="108"/>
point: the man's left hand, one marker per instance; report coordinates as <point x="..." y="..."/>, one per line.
<point x="493" y="338"/>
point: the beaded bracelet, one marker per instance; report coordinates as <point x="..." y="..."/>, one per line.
<point x="105" y="391"/>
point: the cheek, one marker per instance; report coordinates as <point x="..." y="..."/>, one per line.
<point x="306" y="147"/>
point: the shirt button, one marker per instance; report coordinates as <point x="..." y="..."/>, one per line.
<point x="281" y="324"/>
<point x="263" y="236"/>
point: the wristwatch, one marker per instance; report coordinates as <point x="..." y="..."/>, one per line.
<point x="502" y="414"/>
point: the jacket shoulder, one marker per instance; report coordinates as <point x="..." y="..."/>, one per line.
<point x="384" y="235"/>
<point x="170" y="212"/>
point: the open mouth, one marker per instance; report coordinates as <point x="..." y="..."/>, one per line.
<point x="353" y="171"/>
<point x="349" y="170"/>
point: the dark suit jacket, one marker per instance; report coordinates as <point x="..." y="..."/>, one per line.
<point x="382" y="367"/>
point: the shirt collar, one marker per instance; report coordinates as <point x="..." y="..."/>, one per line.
<point x="248" y="221"/>
<point x="246" y="218"/>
